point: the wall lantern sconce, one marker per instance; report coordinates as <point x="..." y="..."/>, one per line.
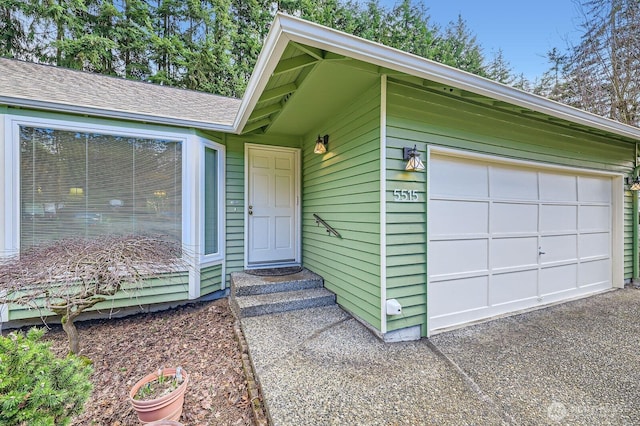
<point x="412" y="156"/>
<point x="634" y="180"/>
<point x="635" y="183"/>
<point x="322" y="144"/>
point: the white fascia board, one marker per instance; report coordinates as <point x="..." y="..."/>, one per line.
<point x="272" y="50"/>
<point x="61" y="107"/>
<point x="311" y="34"/>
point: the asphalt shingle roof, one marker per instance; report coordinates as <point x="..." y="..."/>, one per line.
<point x="36" y="84"/>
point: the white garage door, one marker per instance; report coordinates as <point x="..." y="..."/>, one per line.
<point x="504" y="237"/>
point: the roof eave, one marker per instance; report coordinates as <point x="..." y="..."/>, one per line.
<point x="287" y="28"/>
<point x="115" y="114"/>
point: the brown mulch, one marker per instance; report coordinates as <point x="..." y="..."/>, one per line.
<point x="198" y="337"/>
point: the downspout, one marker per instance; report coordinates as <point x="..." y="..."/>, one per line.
<point x="634" y="198"/>
<point x="634" y="195"/>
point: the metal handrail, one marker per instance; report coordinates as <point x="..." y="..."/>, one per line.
<point x="329" y="228"/>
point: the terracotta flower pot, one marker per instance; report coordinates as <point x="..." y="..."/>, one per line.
<point x="167" y="407"/>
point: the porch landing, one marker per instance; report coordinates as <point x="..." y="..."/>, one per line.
<point x="253" y="295"/>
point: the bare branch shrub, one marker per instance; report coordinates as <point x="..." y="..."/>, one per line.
<point x="70" y="276"/>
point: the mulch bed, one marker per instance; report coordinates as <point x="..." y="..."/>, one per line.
<point x="198" y="337"/>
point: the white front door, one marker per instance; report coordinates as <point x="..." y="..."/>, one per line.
<point x="272" y="214"/>
<point x="505" y="237"/>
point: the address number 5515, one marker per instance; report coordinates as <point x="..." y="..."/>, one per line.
<point x="405" y="195"/>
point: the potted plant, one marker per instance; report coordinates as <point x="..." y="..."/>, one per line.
<point x="160" y="395"/>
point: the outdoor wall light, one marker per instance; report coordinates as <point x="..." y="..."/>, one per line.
<point x="414" y="164"/>
<point x="634" y="179"/>
<point x="322" y="144"/>
<point x="635" y="183"/>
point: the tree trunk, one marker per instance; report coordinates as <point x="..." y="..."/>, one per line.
<point x="72" y="333"/>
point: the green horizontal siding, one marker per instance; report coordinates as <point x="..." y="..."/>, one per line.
<point x="210" y="279"/>
<point x="168" y="288"/>
<point x="406" y="235"/>
<point x="421" y="117"/>
<point x="234" y="226"/>
<point x="343" y="188"/>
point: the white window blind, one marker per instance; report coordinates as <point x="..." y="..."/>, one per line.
<point x="87" y="184"/>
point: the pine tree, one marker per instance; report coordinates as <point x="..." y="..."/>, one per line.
<point x="602" y="74"/>
<point x="460" y="49"/>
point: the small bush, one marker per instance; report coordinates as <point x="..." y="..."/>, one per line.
<point x="36" y="388"/>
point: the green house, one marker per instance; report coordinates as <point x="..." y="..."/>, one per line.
<point x="522" y="202"/>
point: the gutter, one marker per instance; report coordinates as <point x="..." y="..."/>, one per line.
<point x="286" y="28"/>
<point x="114" y="114"/>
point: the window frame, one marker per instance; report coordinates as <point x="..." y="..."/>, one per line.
<point x="12" y="216"/>
<point x="212" y="258"/>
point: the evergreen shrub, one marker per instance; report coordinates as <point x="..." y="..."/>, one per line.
<point x="36" y="387"/>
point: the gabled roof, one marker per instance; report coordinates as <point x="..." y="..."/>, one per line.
<point x="279" y="73"/>
<point x="46" y="87"/>
<point x="292" y="48"/>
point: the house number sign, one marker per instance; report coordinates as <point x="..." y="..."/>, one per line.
<point x="405" y="195"/>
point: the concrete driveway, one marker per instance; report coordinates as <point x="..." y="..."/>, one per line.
<point x="575" y="363"/>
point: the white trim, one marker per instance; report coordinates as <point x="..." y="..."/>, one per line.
<point x="113" y="114"/>
<point x="383" y="204"/>
<point x="298" y="201"/>
<point x="220" y="175"/>
<point x="617" y="231"/>
<point x="10" y="209"/>
<point x="494" y="158"/>
<point x="428" y="220"/>
<point x="617" y="207"/>
<point x="190" y="214"/>
<point x="287" y="28"/>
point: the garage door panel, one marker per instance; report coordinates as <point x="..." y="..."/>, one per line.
<point x="459" y="217"/>
<point x="514" y="286"/>
<point x="558" y="218"/>
<point x="557" y="187"/>
<point x="594" y="218"/>
<point x="558" y="248"/>
<point x="558" y="279"/>
<point x="457" y="296"/>
<point x="459" y="179"/>
<point x="458" y="256"/>
<point x="514" y="252"/>
<point x="548" y="238"/>
<point x="595" y="245"/>
<point x="593" y="189"/>
<point x="594" y="272"/>
<point x="509" y="218"/>
<point x="513" y="184"/>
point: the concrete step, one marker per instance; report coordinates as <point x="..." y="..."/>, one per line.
<point x="271" y="303"/>
<point x="243" y="284"/>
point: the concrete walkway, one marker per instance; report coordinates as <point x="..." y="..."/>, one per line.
<point x="576" y="363"/>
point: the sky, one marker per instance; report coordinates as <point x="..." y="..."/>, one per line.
<point x="524" y="30"/>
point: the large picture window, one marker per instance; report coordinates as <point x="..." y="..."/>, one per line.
<point x="75" y="183"/>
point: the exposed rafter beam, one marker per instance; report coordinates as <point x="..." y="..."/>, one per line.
<point x="405" y="78"/>
<point x="311" y="51"/>
<point x="250" y="127"/>
<point x="266" y="111"/>
<point x="330" y="56"/>
<point x="363" y="66"/>
<point x="294" y="63"/>
<point x="278" y="92"/>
